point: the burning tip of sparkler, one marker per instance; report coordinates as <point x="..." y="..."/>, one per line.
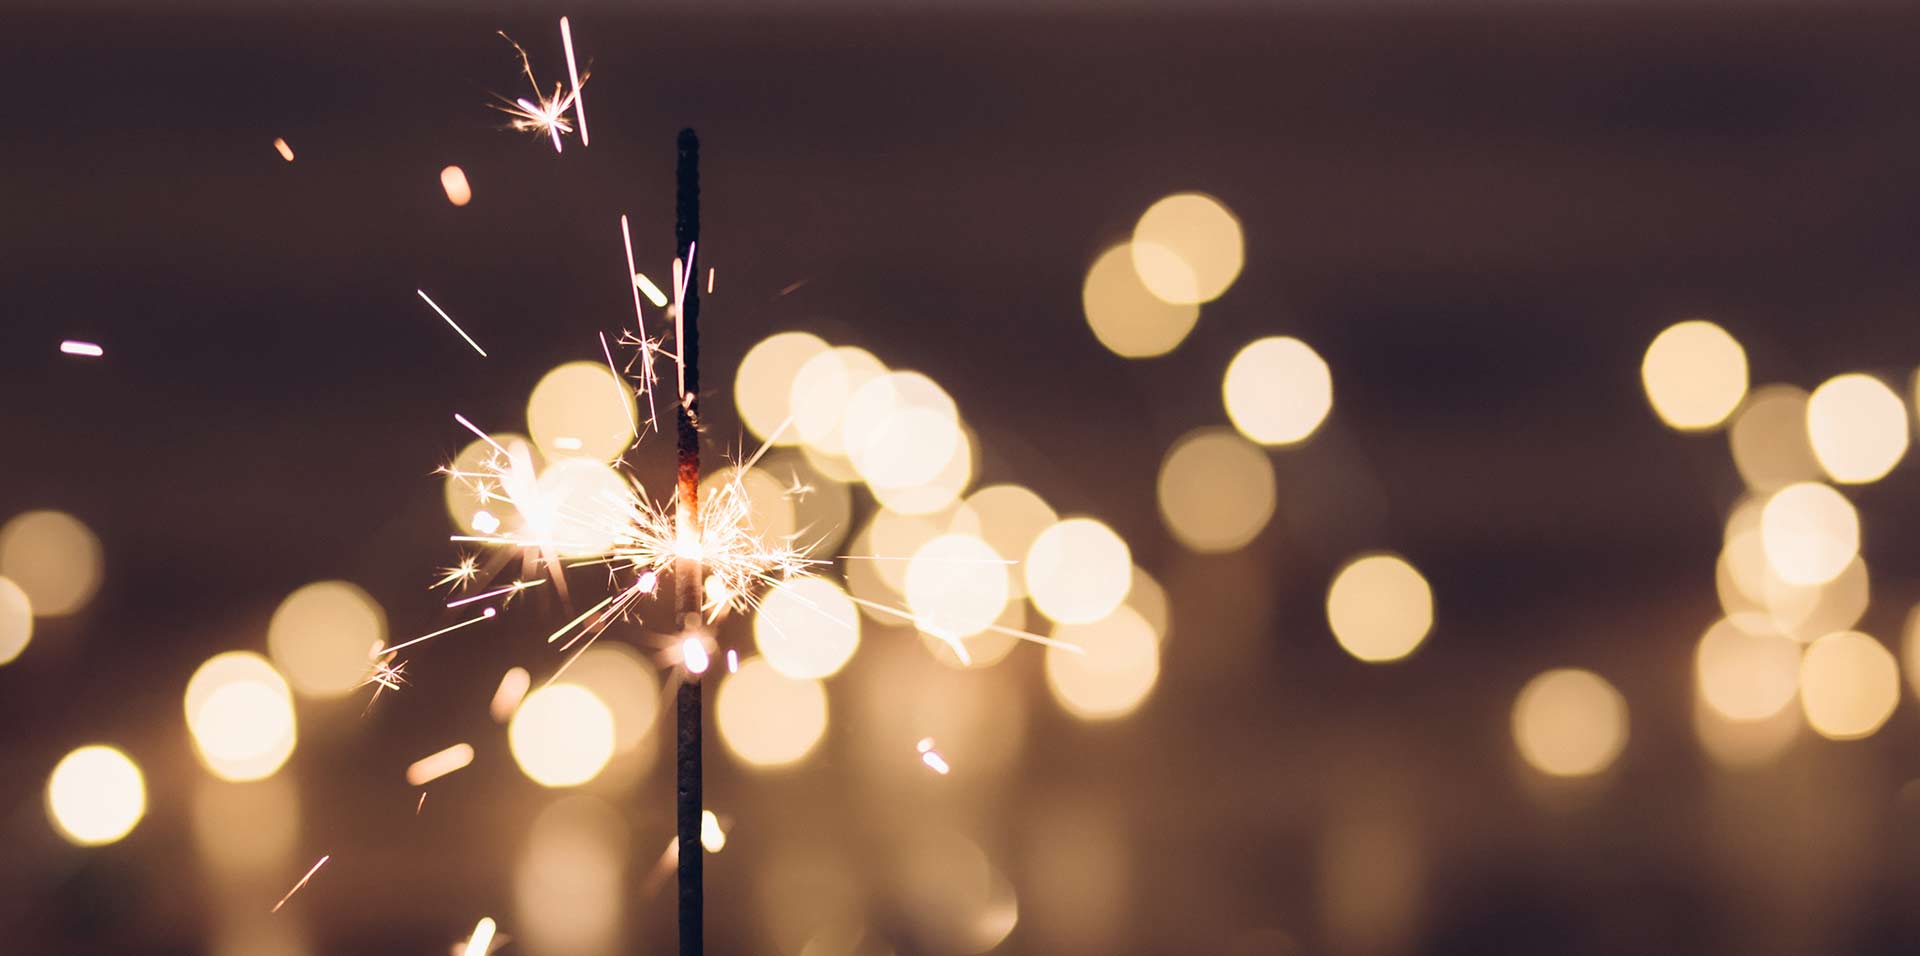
<point x="77" y="347"/>
<point x="693" y="654"/>
<point x="712" y="837"/>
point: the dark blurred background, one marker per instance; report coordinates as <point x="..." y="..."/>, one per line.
<point x="1479" y="214"/>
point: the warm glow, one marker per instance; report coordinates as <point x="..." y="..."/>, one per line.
<point x="54" y="558"/>
<point x="937" y="493"/>
<point x="1008" y="518"/>
<point x="16" y="620"/>
<point x="468" y="478"/>
<point x="712" y="838"/>
<point x="453" y="179"/>
<point x="763" y="387"/>
<point x="322" y="635"/>
<point x="569" y="887"/>
<point x="1187" y="248"/>
<point x="436" y="765"/>
<point x="1809" y="532"/>
<point x="1849" y="685"/>
<point x="1746" y="673"/>
<point x="1119" y="666"/>
<point x="1858" y="427"/>
<point x="956" y="586"/>
<point x="1569" y="723"/>
<point x="280" y="146"/>
<point x="1126" y="317"/>
<point x="240" y="713"/>
<point x="807" y="628"/>
<point x="767" y="719"/>
<point x="901" y="430"/>
<point x="580" y="507"/>
<point x="1769" y="439"/>
<point x="562" y="735"/>
<point x="1146" y="596"/>
<point x="1216" y="490"/>
<point x="821" y="391"/>
<point x="625" y="682"/>
<point x="96" y="795"/>
<point x="1695" y="375"/>
<point x="1078" y="571"/>
<point x="1278" y="390"/>
<point x="481" y="942"/>
<point x="1380" y="608"/>
<point x="580" y="410"/>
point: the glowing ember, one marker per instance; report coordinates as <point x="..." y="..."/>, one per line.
<point x="931" y="757"/>
<point x="285" y="151"/>
<point x="694" y="654"/>
<point x="303" y="882"/>
<point x="507" y="697"/>
<point x="480" y="943"/>
<point x="77" y="347"/>
<point x="438" y="765"/>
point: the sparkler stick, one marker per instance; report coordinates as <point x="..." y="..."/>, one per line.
<point x="687" y="585"/>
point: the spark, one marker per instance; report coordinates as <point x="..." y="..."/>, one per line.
<point x="434" y="766"/>
<point x="543" y="114"/>
<point x="709" y="280"/>
<point x="619" y="389"/>
<point x="797" y="490"/>
<point x="507" y="697"/>
<point x="931" y="757"/>
<point x="385" y="674"/>
<point x="712" y="838"/>
<point x="469" y="426"/>
<point x="463" y="572"/>
<point x="733" y="661"/>
<point x="77" y="347"/>
<point x="423" y="802"/>
<point x="573" y="73"/>
<point x="482" y="938"/>
<point x="792" y="287"/>
<point x="456" y="326"/>
<point x="303" y="882"/>
<point x="694" y="654"/>
<point x="646" y="349"/>
<point x="484" y="615"/>
<point x="510" y="591"/>
<point x="653" y="293"/>
<point x="484" y="521"/>
<point x="285" y="151"/>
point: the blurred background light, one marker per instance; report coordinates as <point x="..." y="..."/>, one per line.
<point x="463" y="484"/>
<point x="1748" y="673"/>
<point x="579" y="410"/>
<point x="453" y="181"/>
<point x="1146" y="596"/>
<point x="1810" y="533"/>
<point x="1116" y="667"/>
<point x="821" y="391"/>
<point x="1125" y="315"/>
<point x="1769" y="439"/>
<point x="240" y="714"/>
<point x="770" y="511"/>
<point x="1569" y="723"/>
<point x="768" y="719"/>
<point x="562" y="735"/>
<point x="16" y="620"/>
<point x="246" y="830"/>
<point x="322" y="637"/>
<point x="570" y="885"/>
<point x="763" y="386"/>
<point x="1277" y="390"/>
<point x="1380" y="608"/>
<point x="54" y="558"/>
<point x="1216" y="490"/>
<point x="1746" y="744"/>
<point x="1008" y="517"/>
<point x="806" y="627"/>
<point x="625" y="682"/>
<point x="956" y="586"/>
<point x="1858" y="428"/>
<point x="938" y="492"/>
<point x="1849" y="685"/>
<point x="953" y="898"/>
<point x="901" y="430"/>
<point x="1187" y="248"/>
<point x="1695" y="375"/>
<point x="1078" y="571"/>
<point x="96" y="795"/>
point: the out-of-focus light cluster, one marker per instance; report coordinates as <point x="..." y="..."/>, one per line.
<point x="1695" y="375"/>
<point x="1216" y="490"/>
<point x="1380" y="608"/>
<point x="96" y="795"/>
<point x="240" y="713"/>
<point x="1278" y="390"/>
<point x="1142" y="297"/>
<point x="54" y="558"/>
<point x="1569" y="723"/>
<point x="562" y="735"/>
<point x="1858" y="428"/>
<point x="323" y="637"/>
<point x="767" y="718"/>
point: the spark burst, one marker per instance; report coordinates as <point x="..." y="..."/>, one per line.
<point x="546" y="115"/>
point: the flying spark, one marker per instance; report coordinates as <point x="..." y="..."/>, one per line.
<point x="450" y="321"/>
<point x="303" y="882"/>
<point x="77" y="347"/>
<point x="435" y="766"/>
<point x="542" y="115"/>
<point x="285" y="151"/>
<point x="931" y="757"/>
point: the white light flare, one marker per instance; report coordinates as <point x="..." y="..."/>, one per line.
<point x="433" y="767"/>
<point x="456" y="326"/>
<point x="77" y="347"/>
<point x="507" y="697"/>
<point x="931" y="757"/>
<point x="573" y="73"/>
<point x="482" y="939"/>
<point x="303" y="882"/>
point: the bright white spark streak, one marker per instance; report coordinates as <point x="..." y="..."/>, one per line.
<point x="303" y="882"/>
<point x="496" y="592"/>
<point x="482" y="937"/>
<point x="694" y="654"/>
<point x="570" y="625"/>
<point x="435" y="766"/>
<point x="489" y="612"/>
<point x="450" y="321"/>
<point x="935" y="761"/>
<point x="77" y="347"/>
<point x="646" y="353"/>
<point x="469" y="426"/>
<point x="712" y="838"/>
<point x="709" y="280"/>
<point x="680" y="273"/>
<point x="573" y="73"/>
<point x="654" y="295"/>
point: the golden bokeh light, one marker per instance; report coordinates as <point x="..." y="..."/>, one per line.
<point x="463" y="485"/>
<point x="54" y="558"/>
<point x="1810" y="532"/>
<point x="1008" y="518"/>
<point x="763" y="388"/>
<point x="453" y="180"/>
<point x="1745" y="744"/>
<point x="1278" y="390"/>
<point x="1380" y="608"/>
<point x="562" y="735"/>
<point x="1125" y="315"/>
<point x="1078" y="571"/>
<point x="1769" y="439"/>
<point x="768" y="719"/>
<point x="1146" y="596"/>
<point x="580" y="507"/>
<point x="96" y="795"/>
<point x="821" y="392"/>
<point x="939" y="492"/>
<point x="1695" y="375"/>
<point x="16" y="620"/>
<point x="1116" y="667"/>
<point x="240" y="713"/>
<point x="951" y="895"/>
<point x="1910" y="649"/>
<point x="901" y="430"/>
<point x="580" y="410"/>
<point x="806" y="628"/>
<point x="956" y="586"/>
<point x="570" y="884"/>
<point x="323" y="635"/>
<point x="1187" y="248"/>
<point x="1745" y="671"/>
<point x="1806" y="612"/>
<point x="1858" y="428"/>
<point x="1849" y="685"/>
<point x="986" y="648"/>
<point x="624" y="681"/>
<point x="1569" y="723"/>
<point x="246" y="829"/>
<point x="1216" y="490"/>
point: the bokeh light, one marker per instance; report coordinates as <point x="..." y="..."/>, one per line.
<point x="821" y="391"/>
<point x="1809" y="532"/>
<point x="624" y="681"/>
<point x="901" y="430"/>
<point x="1216" y="490"/>
<point x="1008" y="518"/>
<point x="1569" y="723"/>
<point x="16" y="620"/>
<point x="770" y="511"/>
<point x="763" y="387"/>
<point x="580" y="507"/>
<point x="1858" y="428"/>
<point x="1187" y="248"/>
<point x="54" y="558"/>
<point x="951" y="896"/>
<point x="1849" y="685"/>
<point x="1277" y="390"/>
<point x="96" y="795"/>
<point x="1380" y="608"/>
<point x="571" y="882"/>
<point x="1748" y="672"/>
<point x="1078" y="571"/>
<point x="240" y="714"/>
<point x="246" y="829"/>
<point x="768" y="719"/>
<point x="956" y="586"/>
<point x="1116" y="667"/>
<point x="937" y="493"/>
<point x="322" y="637"/>
<point x="1695" y="375"/>
<point x="580" y="410"/>
<point x="1125" y="315"/>
<point x="806" y="627"/>
<point x="463" y="484"/>
<point x="1769" y="439"/>
<point x="1146" y="596"/>
<point x="562" y="735"/>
